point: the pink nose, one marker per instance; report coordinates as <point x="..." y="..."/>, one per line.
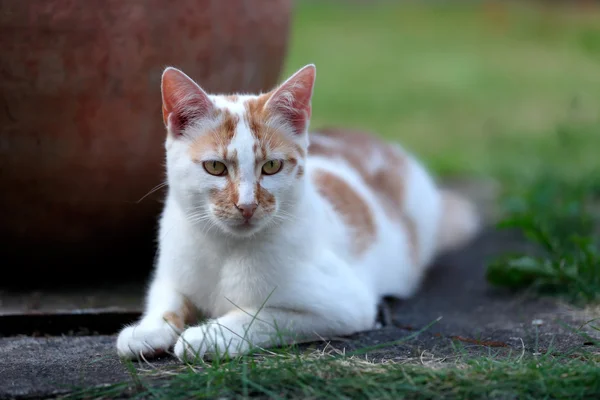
<point x="247" y="210"/>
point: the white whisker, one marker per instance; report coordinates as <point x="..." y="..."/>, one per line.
<point x="154" y="189"/>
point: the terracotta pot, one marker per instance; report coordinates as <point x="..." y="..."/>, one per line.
<point x="80" y="116"/>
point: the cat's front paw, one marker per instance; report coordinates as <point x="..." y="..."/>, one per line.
<point x="210" y="340"/>
<point x="138" y="340"/>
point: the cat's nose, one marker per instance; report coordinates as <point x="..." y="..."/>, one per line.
<point x="247" y="210"/>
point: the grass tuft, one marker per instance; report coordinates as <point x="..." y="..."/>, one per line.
<point x="560" y="218"/>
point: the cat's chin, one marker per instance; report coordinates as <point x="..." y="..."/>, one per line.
<point x="242" y="229"/>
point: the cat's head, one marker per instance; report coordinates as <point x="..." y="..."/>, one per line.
<point x="236" y="162"/>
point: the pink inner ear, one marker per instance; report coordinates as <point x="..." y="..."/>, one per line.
<point x="292" y="100"/>
<point x="183" y="100"/>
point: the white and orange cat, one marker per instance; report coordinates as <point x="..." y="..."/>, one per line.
<point x="278" y="235"/>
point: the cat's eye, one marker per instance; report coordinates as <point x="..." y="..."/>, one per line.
<point x="272" y="167"/>
<point x="215" y="168"/>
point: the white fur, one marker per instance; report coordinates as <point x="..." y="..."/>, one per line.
<point x="294" y="278"/>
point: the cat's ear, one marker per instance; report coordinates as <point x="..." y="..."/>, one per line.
<point x="292" y="99"/>
<point x="183" y="101"/>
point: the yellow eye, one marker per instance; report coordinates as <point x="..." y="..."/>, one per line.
<point x="272" y="167"/>
<point x="215" y="168"/>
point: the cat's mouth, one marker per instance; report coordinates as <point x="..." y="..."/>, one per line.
<point x="246" y="224"/>
<point x="235" y="224"/>
<point x="242" y="227"/>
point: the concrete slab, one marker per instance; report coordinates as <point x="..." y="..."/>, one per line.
<point x="41" y="367"/>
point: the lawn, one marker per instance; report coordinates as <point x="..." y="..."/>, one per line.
<point x="473" y="89"/>
<point x="510" y="92"/>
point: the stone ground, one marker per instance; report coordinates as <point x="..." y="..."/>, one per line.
<point x="473" y="314"/>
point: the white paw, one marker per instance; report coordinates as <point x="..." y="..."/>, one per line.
<point x="137" y="340"/>
<point x="209" y="340"/>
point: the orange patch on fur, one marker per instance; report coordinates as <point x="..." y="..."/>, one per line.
<point x="358" y="149"/>
<point x="217" y="139"/>
<point x="413" y="240"/>
<point x="227" y="129"/>
<point x="387" y="181"/>
<point x="232" y="98"/>
<point x="225" y="199"/>
<point x="264" y="198"/>
<point x="318" y="149"/>
<point x="256" y="114"/>
<point x="186" y="315"/>
<point x="268" y="138"/>
<point x="350" y="205"/>
<point x="201" y="144"/>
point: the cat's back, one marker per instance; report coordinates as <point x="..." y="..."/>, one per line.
<point x="363" y="179"/>
<point x="358" y="161"/>
<point x="386" y="200"/>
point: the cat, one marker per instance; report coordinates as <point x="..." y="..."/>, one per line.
<point x="279" y="236"/>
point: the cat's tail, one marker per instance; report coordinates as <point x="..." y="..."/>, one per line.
<point x="459" y="223"/>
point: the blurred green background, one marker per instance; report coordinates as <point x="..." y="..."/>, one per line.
<point x="500" y="89"/>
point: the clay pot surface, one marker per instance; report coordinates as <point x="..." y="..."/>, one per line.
<point x="80" y="115"/>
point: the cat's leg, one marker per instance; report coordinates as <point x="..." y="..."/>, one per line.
<point x="238" y="332"/>
<point x="166" y="314"/>
<point x="339" y="311"/>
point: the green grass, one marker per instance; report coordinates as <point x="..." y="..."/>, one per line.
<point x="561" y="219"/>
<point x="468" y="89"/>
<point x="334" y="376"/>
